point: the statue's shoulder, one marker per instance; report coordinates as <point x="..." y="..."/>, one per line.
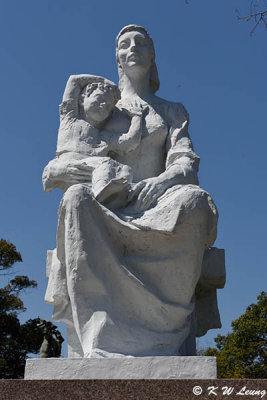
<point x="175" y="112"/>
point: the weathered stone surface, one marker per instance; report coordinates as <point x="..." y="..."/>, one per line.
<point x="123" y="368"/>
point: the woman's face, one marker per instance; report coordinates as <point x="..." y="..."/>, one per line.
<point x="135" y="51"/>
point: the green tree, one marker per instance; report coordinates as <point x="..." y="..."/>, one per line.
<point x="8" y="255"/>
<point x="243" y="353"/>
<point x="16" y="340"/>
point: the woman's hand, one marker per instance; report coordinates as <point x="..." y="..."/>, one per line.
<point x="145" y="193"/>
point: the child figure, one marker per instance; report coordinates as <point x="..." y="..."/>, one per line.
<point x="88" y="103"/>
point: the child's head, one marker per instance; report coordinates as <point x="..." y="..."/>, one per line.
<point x="97" y="101"/>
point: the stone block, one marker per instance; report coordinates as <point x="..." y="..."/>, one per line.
<point x="122" y="368"/>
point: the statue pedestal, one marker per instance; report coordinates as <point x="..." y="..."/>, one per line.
<point x="122" y="368"/>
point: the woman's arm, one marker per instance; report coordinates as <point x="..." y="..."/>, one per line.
<point x="181" y="163"/>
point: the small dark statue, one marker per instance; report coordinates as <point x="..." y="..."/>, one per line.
<point x="51" y="346"/>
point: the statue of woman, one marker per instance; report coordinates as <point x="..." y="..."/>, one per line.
<point x="127" y="276"/>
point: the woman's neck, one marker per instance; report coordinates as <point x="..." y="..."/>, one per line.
<point x="139" y="86"/>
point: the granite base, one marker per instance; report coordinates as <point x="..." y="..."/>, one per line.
<point x="166" y="389"/>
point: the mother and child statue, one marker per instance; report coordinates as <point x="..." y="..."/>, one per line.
<point x="134" y="273"/>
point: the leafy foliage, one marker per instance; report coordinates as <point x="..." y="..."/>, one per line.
<point x="243" y="353"/>
<point x="16" y="340"/>
<point x="8" y="255"/>
<point x="9" y="295"/>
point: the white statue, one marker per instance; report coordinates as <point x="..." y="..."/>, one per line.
<point x="133" y="223"/>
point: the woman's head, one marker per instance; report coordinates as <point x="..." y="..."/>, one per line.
<point x="134" y="47"/>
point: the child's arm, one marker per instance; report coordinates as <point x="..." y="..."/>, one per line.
<point x="74" y="86"/>
<point x="121" y="143"/>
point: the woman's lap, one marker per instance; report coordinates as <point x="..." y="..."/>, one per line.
<point x="139" y="271"/>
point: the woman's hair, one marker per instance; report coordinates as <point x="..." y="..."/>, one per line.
<point x="154" y="78"/>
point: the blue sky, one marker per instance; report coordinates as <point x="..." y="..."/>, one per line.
<point x="206" y="60"/>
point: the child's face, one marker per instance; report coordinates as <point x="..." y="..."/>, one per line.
<point x="98" y="105"/>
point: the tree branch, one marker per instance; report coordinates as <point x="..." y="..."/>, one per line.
<point x="259" y="17"/>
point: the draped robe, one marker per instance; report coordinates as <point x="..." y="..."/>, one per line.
<point x="124" y="282"/>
